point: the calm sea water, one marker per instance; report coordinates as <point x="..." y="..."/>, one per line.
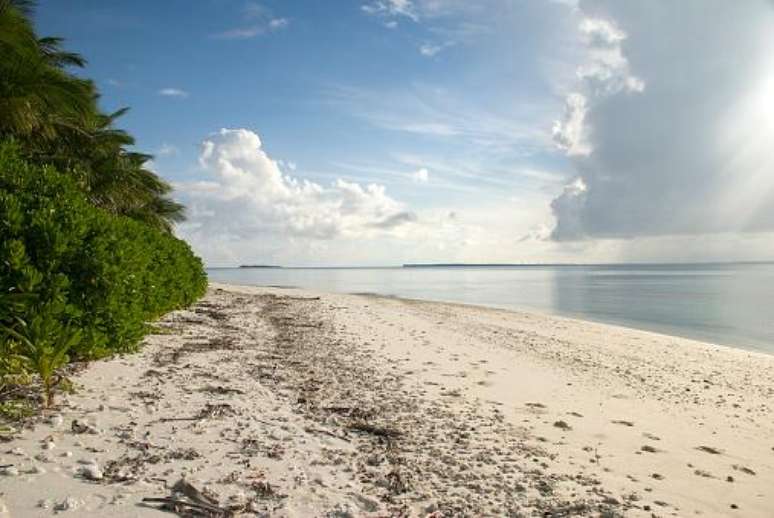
<point x="731" y="304"/>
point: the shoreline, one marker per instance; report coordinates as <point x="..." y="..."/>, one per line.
<point x="523" y="311"/>
<point x="300" y="403"/>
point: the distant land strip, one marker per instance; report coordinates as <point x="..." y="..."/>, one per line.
<point x="552" y="265"/>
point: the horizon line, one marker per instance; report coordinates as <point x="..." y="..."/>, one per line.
<point x="480" y="265"/>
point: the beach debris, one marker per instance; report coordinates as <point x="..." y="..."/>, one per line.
<point x="379" y="431"/>
<point x="220" y="390"/>
<point x="709" y="449"/>
<point x="91" y="472"/>
<point x="79" y="427"/>
<point x="187" y="500"/>
<point x="36" y="470"/>
<point x="9" y="470"/>
<point x="562" y="425"/>
<point x="649" y="449"/>
<point x="209" y="411"/>
<point x="310" y="429"/>
<point x="622" y="422"/>
<point x="68" y="504"/>
<point x="56" y="420"/>
<point x="743" y="469"/>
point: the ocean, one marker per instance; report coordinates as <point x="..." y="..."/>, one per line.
<point x="729" y="304"/>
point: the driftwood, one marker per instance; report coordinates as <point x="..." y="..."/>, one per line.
<point x="187" y="499"/>
<point x="179" y="506"/>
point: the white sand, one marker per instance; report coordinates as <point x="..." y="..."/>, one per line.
<point x="494" y="412"/>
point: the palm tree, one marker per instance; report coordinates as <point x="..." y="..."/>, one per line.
<point x="54" y="115"/>
<point x="36" y="94"/>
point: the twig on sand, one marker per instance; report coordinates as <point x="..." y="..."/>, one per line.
<point x="166" y="419"/>
<point x="209" y="410"/>
<point x="178" y="505"/>
<point x="186" y="499"/>
<point x="309" y="429"/>
<point x="380" y="431"/>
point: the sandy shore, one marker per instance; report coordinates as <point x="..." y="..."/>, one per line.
<point x="282" y="402"/>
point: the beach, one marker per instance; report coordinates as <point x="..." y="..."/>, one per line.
<point x="289" y="402"/>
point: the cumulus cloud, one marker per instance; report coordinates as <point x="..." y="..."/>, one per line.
<point x="604" y="72"/>
<point x="173" y="92"/>
<point x="670" y="132"/>
<point x="568" y="133"/>
<point x="247" y="197"/>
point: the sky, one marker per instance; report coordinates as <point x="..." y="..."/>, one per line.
<point x="382" y="132"/>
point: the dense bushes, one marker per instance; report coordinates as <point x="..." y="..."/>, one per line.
<point x="74" y="276"/>
<point x="87" y="254"/>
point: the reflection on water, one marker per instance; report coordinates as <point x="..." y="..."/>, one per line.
<point x="730" y="304"/>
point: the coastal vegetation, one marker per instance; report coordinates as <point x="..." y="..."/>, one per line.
<point x="87" y="253"/>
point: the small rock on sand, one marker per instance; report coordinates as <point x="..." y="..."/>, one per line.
<point x="68" y="504"/>
<point x="91" y="472"/>
<point x="10" y="471"/>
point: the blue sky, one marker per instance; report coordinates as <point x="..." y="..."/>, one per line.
<point x="489" y="131"/>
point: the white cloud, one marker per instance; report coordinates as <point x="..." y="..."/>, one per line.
<point x="688" y="153"/>
<point x="420" y="176"/>
<point x="604" y="72"/>
<point x="601" y="32"/>
<point x="257" y="21"/>
<point x="431" y="49"/>
<point x="167" y="150"/>
<point x="278" y="23"/>
<point x="568" y="133"/>
<point x="173" y="92"/>
<point x="404" y="8"/>
<point x="247" y="196"/>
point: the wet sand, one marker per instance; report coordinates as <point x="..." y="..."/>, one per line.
<point x="283" y="402"/>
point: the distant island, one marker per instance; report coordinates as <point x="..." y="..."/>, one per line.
<point x="480" y="265"/>
<point x="585" y="265"/>
<point x="259" y="266"/>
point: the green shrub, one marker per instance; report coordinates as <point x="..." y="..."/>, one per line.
<point x="67" y="267"/>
